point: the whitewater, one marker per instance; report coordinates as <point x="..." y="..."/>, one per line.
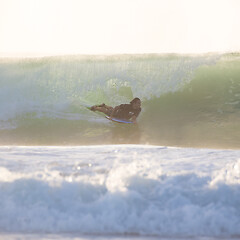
<point x="120" y="191"/>
<point x="69" y="173"/>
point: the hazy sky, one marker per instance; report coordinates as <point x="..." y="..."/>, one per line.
<point x="119" y="26"/>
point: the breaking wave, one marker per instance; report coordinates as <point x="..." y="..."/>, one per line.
<point x="186" y="100"/>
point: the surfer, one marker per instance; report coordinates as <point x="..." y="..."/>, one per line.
<point x="124" y="111"/>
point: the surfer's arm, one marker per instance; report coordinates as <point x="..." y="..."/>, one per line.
<point x="134" y="119"/>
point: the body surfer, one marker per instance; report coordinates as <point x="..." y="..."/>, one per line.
<point x="124" y="111"/>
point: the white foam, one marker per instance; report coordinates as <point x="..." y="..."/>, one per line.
<point x="230" y="174"/>
<point x="125" y="189"/>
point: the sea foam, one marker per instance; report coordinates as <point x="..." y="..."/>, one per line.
<point x="120" y="189"/>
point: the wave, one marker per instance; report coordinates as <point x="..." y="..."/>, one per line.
<point x="120" y="190"/>
<point x="186" y="100"/>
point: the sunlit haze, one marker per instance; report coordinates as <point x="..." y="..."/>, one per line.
<point x="118" y="26"/>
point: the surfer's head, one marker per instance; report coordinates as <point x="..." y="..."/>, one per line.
<point x="136" y="103"/>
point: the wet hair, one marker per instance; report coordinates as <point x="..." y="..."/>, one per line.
<point x="135" y="100"/>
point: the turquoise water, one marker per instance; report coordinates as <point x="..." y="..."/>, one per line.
<point x="187" y="100"/>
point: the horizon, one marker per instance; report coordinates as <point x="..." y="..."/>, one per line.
<point x="46" y="55"/>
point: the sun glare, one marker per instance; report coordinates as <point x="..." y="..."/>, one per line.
<point x="114" y="26"/>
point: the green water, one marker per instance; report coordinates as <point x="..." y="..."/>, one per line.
<point x="191" y="101"/>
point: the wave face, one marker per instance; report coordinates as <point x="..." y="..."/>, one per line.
<point x="186" y="100"/>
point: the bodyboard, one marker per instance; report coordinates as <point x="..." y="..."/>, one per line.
<point x="118" y="120"/>
<point x="112" y="119"/>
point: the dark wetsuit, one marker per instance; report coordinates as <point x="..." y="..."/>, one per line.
<point x="126" y="111"/>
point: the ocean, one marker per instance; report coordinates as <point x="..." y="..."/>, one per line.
<point x="70" y="173"/>
<point x="187" y="101"/>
